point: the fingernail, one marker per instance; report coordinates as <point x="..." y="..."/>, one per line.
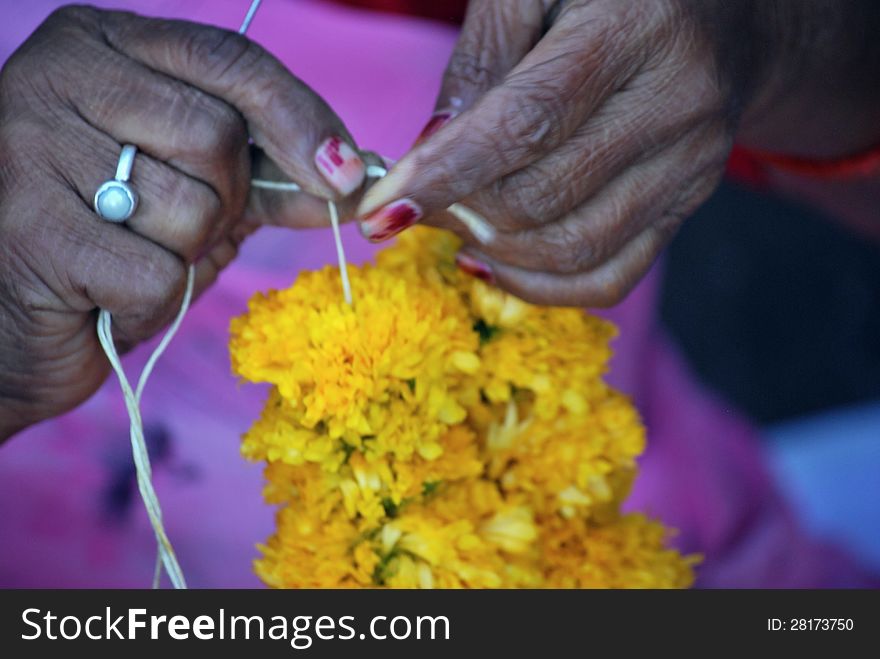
<point x="435" y="123"/>
<point x="390" y="220"/>
<point x="387" y="188"/>
<point x="474" y="268"/>
<point x="340" y="165"/>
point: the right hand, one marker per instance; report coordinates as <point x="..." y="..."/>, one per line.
<point x="189" y="96"/>
<point x="583" y="131"/>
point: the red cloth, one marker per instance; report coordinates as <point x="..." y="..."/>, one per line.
<point x="744" y="167"/>
<point x="861" y="165"/>
<point x="445" y="10"/>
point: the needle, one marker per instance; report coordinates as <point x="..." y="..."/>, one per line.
<point x="246" y="23"/>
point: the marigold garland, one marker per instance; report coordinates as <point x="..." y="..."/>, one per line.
<point x="442" y="433"/>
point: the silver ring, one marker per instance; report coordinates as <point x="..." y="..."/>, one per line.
<point x="116" y="200"/>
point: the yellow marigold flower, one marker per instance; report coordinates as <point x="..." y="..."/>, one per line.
<point x="280" y="436"/>
<point x="442" y="434"/>
<point x="571" y="464"/>
<point x="381" y="376"/>
<point x="628" y="552"/>
<point x="306" y="552"/>
<point x="368" y="489"/>
<point x="512" y="529"/>
<point x="459" y="537"/>
<point x="556" y="355"/>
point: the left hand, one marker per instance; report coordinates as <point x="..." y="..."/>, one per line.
<point x="189" y="96"/>
<point x="585" y="147"/>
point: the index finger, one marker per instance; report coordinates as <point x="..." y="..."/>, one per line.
<point x="291" y="123"/>
<point x="571" y="71"/>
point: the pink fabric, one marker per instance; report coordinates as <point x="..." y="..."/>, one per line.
<point x="69" y="513"/>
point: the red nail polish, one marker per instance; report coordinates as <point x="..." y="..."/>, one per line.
<point x="474" y="268"/>
<point x="340" y="165"/>
<point x="436" y="122"/>
<point x="390" y="220"/>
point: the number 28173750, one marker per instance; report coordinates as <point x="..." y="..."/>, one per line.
<point x="810" y="624"/>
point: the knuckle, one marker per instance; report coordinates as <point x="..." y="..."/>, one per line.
<point x="72" y="15"/>
<point x="573" y="245"/>
<point x="529" y="121"/>
<point x="148" y="283"/>
<point x="578" y="255"/>
<point x="569" y="251"/>
<point x="23" y="293"/>
<point x="705" y="91"/>
<point x="454" y="181"/>
<point x="535" y="196"/>
<point x="521" y="198"/>
<point x="216" y="129"/>
<point x="159" y="289"/>
<point x="225" y="54"/>
<point x="616" y="288"/>
<point x="469" y="69"/>
<point x="196" y="209"/>
<point x="28" y="84"/>
<point x="39" y="76"/>
<point x="666" y="227"/>
<point x="21" y="144"/>
<point x="610" y="290"/>
<point x="62" y="34"/>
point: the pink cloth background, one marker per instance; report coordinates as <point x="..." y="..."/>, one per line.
<point x="69" y="512"/>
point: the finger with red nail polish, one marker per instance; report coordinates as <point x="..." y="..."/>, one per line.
<point x="474" y="267"/>
<point x="435" y="123"/>
<point x="340" y="165"/>
<point x="390" y="220"/>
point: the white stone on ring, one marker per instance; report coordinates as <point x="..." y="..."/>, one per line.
<point x="116" y="200"/>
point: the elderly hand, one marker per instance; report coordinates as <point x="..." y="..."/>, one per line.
<point x="189" y="96"/>
<point x="585" y="145"/>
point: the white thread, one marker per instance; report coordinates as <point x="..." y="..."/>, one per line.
<point x="476" y="223"/>
<point x="290" y="186"/>
<point x="376" y="171"/>
<point x="157" y="572"/>
<point x="166" y="556"/>
<point x="340" y="252"/>
<point x="246" y="23"/>
<point x="275" y="185"/>
<point x="136" y="427"/>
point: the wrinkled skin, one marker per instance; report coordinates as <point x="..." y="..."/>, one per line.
<point x="586" y="131"/>
<point x="189" y="96"/>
